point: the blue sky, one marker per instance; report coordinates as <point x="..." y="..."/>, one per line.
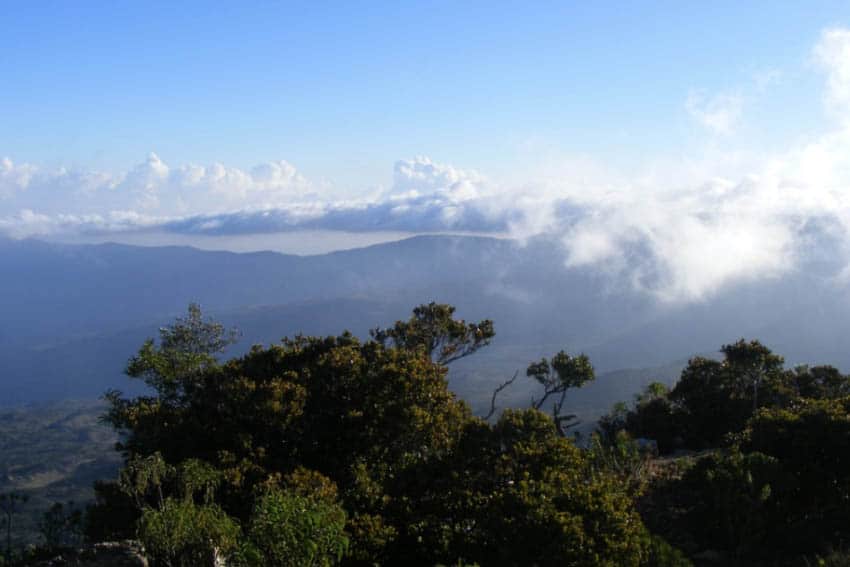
<point x="344" y="89"/>
<point x="711" y="134"/>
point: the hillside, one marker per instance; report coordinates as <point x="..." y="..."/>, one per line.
<point x="54" y="453"/>
<point x="72" y="315"/>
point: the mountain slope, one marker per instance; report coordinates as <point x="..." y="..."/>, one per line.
<point x="72" y="315"/>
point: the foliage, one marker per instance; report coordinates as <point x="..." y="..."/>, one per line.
<point x="715" y="398"/>
<point x="777" y="491"/>
<point x="183" y="534"/>
<point x="321" y="450"/>
<point x="62" y="526"/>
<point x="433" y="329"/>
<point x="328" y="445"/>
<point x="734" y="503"/>
<point x="819" y="382"/>
<point x="185" y="349"/>
<point x="186" y="529"/>
<point x="557" y="375"/>
<point x="833" y="559"/>
<point x="517" y="493"/>
<point x="652" y="417"/>
<point x="623" y="457"/>
<point x="113" y="514"/>
<point x="662" y="554"/>
<point x="610" y="424"/>
<point x="810" y="440"/>
<point x="776" y="497"/>
<point x="291" y="529"/>
<point x="11" y="504"/>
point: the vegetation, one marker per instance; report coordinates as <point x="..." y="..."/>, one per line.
<point x="296" y="527"/>
<point x="329" y="449"/>
<point x="770" y="483"/>
<point x="332" y="450"/>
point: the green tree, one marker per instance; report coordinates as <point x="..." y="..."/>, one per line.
<point x="557" y="375"/>
<point x="180" y="524"/>
<point x="810" y="441"/>
<point x="777" y="496"/>
<point x="185" y="350"/>
<point x="112" y="516"/>
<point x="652" y="416"/>
<point x="517" y="493"/>
<point x="358" y="413"/>
<point x="755" y="368"/>
<point x="11" y="504"/>
<point x="433" y="329"/>
<point x="175" y="369"/>
<point x="734" y="504"/>
<point x="709" y="403"/>
<point x="819" y="382"/>
<point x="61" y="526"/>
<point x="713" y="398"/>
<point x="620" y="455"/>
<point x="419" y="479"/>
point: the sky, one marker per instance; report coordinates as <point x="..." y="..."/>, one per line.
<point x="713" y="137"/>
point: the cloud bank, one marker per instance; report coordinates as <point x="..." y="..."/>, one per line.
<point x="217" y="199"/>
<point x="680" y="231"/>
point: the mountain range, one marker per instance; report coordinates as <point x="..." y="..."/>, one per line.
<point x="73" y="314"/>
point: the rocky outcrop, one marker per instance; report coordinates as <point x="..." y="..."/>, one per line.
<point x="107" y="554"/>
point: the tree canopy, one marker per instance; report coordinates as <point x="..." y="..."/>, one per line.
<point x="772" y="479"/>
<point x="340" y="450"/>
<point x="407" y="472"/>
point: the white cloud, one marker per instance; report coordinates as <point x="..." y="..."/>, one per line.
<point x="679" y="229"/>
<point x="684" y="231"/>
<point x="152" y="187"/>
<point x="679" y="240"/>
<point x="832" y="53"/>
<point x="720" y="113"/>
<point x="13" y="178"/>
<point x="273" y="196"/>
<point x="421" y="176"/>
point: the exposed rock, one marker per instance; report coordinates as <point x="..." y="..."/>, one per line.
<point x="107" y="554"/>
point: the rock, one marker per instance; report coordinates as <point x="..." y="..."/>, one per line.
<point x="106" y="554"/>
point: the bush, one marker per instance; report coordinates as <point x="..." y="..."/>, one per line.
<point x="290" y="529"/>
<point x="61" y="526"/>
<point x="277" y="432"/>
<point x="662" y="554"/>
<point x="182" y="534"/>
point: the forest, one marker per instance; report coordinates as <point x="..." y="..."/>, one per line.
<point x="336" y="450"/>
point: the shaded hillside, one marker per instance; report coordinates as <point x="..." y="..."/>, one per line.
<point x="54" y="453"/>
<point x="61" y="291"/>
<point x="72" y="315"/>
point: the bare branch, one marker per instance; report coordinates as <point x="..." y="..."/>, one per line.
<point x="496" y="393"/>
<point x="561" y="419"/>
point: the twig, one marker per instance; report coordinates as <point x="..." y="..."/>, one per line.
<point x="496" y="393"/>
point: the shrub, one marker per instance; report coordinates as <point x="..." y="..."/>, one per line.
<point x="182" y="534"/>
<point x="291" y="529"/>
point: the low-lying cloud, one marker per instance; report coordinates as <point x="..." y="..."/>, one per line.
<point x="680" y="232"/>
<point x="216" y="199"/>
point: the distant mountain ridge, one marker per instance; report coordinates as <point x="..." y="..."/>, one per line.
<point x="72" y="314"/>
